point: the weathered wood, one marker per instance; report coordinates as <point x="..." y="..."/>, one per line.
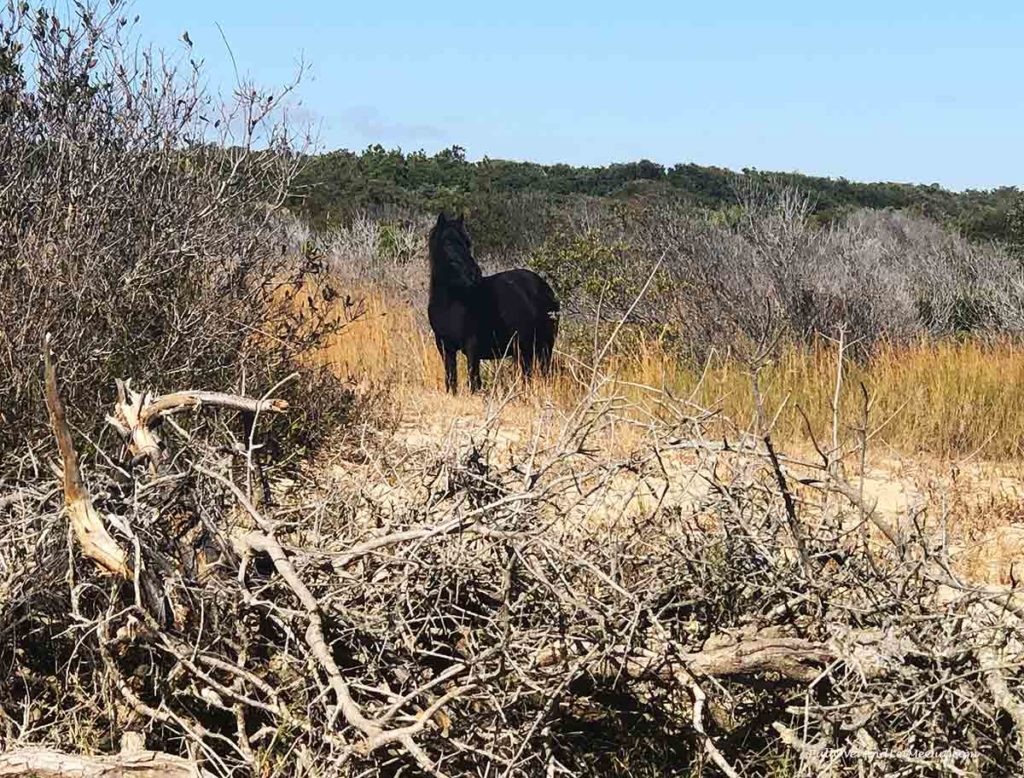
<point x="992" y="663"/>
<point x="88" y="526"/>
<point x="136" y="415"/>
<point x="47" y="763"/>
<point x="128" y="419"/>
<point x="751" y="654"/>
<point x="178" y="401"/>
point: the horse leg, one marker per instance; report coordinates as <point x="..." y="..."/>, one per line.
<point x="475" y="384"/>
<point x="526" y="358"/>
<point x="544" y="360"/>
<point x="451" y="372"/>
<point x="451" y="367"/>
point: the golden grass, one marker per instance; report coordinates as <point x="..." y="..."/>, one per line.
<point x="932" y="404"/>
<point x="385" y="343"/>
<point x="946" y="398"/>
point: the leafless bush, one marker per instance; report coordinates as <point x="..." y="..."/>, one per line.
<point x="385" y="256"/>
<point x="728" y="277"/>
<point x="139" y="216"/>
<point x="389" y="255"/>
<point x="506" y="617"/>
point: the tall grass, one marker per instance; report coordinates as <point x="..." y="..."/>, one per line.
<point x="949" y="398"/>
<point x="945" y="397"/>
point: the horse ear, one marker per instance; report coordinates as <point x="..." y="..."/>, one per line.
<point x="442" y="219"/>
<point x="462" y="219"/>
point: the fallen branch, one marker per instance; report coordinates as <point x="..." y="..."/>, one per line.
<point x="89" y="529"/>
<point x="179" y="401"/>
<point x="794" y="659"/>
<point x="46" y="763"/>
<point x="136" y="415"/>
<point x="991" y="664"/>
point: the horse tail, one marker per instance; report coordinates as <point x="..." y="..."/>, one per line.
<point x="551" y="306"/>
<point x="552" y="310"/>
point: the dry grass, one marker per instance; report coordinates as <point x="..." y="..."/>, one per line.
<point x="947" y="416"/>
<point x="386" y="342"/>
<point x="949" y="399"/>
<point x="946" y="398"/>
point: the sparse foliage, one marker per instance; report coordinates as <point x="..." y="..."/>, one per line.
<point x="881" y="275"/>
<point x="139" y="216"/>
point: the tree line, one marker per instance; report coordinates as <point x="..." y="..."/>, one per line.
<point x="339" y="184"/>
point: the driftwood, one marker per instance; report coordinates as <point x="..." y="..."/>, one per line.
<point x="88" y="526"/>
<point x="136" y="414"/>
<point x="47" y="763"/>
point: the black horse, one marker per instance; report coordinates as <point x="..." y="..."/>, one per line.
<point x="514" y="313"/>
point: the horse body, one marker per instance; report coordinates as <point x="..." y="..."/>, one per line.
<point x="513" y="313"/>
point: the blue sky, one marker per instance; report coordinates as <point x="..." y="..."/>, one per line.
<point x="903" y="90"/>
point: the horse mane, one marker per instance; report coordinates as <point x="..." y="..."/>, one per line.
<point x="451" y="254"/>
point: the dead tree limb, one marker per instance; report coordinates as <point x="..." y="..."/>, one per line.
<point x="88" y="526"/>
<point x="46" y="763"/>
<point x="991" y="663"/>
<point x="179" y="401"/>
<point x="136" y="415"/>
<point x="794" y="659"/>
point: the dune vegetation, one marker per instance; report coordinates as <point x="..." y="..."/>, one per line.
<point x="762" y="520"/>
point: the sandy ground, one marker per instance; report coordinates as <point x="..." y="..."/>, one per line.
<point x="975" y="505"/>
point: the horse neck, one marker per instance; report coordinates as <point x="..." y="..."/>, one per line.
<point x="444" y="284"/>
<point x="438" y="289"/>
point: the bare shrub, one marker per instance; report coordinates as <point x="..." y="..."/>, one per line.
<point x="729" y="277"/>
<point x="389" y="254"/>
<point x="139" y="216"/>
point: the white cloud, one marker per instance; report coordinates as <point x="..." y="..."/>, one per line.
<point x="371" y="126"/>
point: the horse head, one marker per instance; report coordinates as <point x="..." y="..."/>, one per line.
<point x="451" y="254"/>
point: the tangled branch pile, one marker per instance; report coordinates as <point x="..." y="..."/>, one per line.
<point x="511" y="617"/>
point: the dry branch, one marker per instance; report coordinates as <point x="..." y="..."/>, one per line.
<point x="47" y="763"/>
<point x="178" y="401"/>
<point x="727" y="656"/>
<point x="88" y="526"/>
<point x="137" y="413"/>
<point x="991" y="664"/>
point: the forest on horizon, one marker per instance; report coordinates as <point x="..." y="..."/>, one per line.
<point x="337" y="185"/>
